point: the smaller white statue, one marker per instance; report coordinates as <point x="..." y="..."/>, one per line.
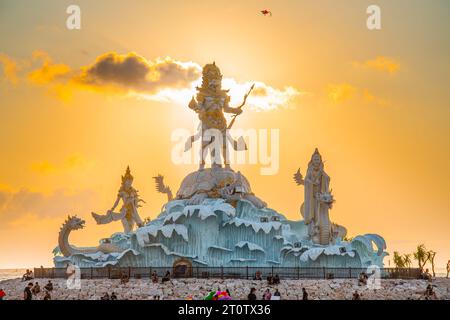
<point x="318" y="202"/>
<point x="128" y="212"/>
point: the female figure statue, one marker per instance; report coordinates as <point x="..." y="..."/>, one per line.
<point x="128" y="212"/>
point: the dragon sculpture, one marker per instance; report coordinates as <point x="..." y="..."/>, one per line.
<point x="162" y="188"/>
<point x="75" y="223"/>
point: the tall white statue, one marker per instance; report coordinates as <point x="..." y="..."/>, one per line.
<point x="210" y="104"/>
<point x="318" y="202"/>
<point x="128" y="213"/>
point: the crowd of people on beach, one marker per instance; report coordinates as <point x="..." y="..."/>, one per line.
<point x="34" y="291"/>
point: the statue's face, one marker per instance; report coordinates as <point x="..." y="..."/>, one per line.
<point x="214" y="84"/>
<point x="316" y="161"/>
<point x="128" y="183"/>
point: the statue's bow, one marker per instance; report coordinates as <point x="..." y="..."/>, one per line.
<point x="240" y="107"/>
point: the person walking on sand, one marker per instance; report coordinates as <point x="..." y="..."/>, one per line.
<point x="27" y="294"/>
<point x="2" y="294"/>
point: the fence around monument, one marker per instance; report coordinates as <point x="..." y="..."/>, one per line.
<point x="291" y="273"/>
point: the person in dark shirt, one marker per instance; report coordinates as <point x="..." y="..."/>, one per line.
<point x="113" y="296"/>
<point x="305" y="294"/>
<point x="252" y="295"/>
<point x="257" y="276"/>
<point x="47" y="295"/>
<point x="277" y="293"/>
<point x="356" y="296"/>
<point x="166" y="277"/>
<point x="270" y="279"/>
<point x="105" y="296"/>
<point x="49" y="286"/>
<point x="27" y="294"/>
<point x="154" y="277"/>
<point x="276" y="279"/>
<point x="36" y="289"/>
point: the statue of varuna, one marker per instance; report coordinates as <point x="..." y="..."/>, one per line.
<point x="128" y="213"/>
<point x="210" y="104"/>
<point x="318" y="202"/>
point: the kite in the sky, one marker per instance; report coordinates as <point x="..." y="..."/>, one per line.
<point x="266" y="12"/>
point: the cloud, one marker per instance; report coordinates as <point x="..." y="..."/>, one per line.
<point x="54" y="76"/>
<point x="132" y="72"/>
<point x="371" y="98"/>
<point x="16" y="205"/>
<point x="380" y="63"/>
<point x="169" y="80"/>
<point x="338" y="93"/>
<point x="164" y="79"/>
<point x="71" y="162"/>
<point x="10" y="68"/>
<point x="48" y="72"/>
<point x="343" y="92"/>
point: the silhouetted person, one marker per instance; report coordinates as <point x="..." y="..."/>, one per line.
<point x="276" y="279"/>
<point x="429" y="292"/>
<point x="47" y="296"/>
<point x="356" y="296"/>
<point x="49" y="286"/>
<point x="270" y="279"/>
<point x="257" y="276"/>
<point x="113" y="296"/>
<point x="362" y="280"/>
<point x="277" y="293"/>
<point x="27" y="276"/>
<point x="154" y="277"/>
<point x="36" y="289"/>
<point x="252" y="296"/>
<point x="305" y="294"/>
<point x="166" y="277"/>
<point x="27" y="294"/>
<point x="105" y="296"/>
<point x="124" y="279"/>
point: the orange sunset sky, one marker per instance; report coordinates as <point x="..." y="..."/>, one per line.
<point x="78" y="106"/>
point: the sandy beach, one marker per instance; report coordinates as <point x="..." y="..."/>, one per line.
<point x="138" y="289"/>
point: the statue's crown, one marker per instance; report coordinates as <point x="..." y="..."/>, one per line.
<point x="316" y="152"/>
<point x="127" y="175"/>
<point x="211" y="71"/>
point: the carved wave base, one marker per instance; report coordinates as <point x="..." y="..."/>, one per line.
<point x="213" y="232"/>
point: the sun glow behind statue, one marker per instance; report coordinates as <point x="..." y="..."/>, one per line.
<point x="263" y="98"/>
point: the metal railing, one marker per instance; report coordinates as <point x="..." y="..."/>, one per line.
<point x="249" y="273"/>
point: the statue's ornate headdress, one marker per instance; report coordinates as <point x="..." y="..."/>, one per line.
<point x="210" y="72"/>
<point x="316" y="153"/>
<point x="127" y="175"/>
